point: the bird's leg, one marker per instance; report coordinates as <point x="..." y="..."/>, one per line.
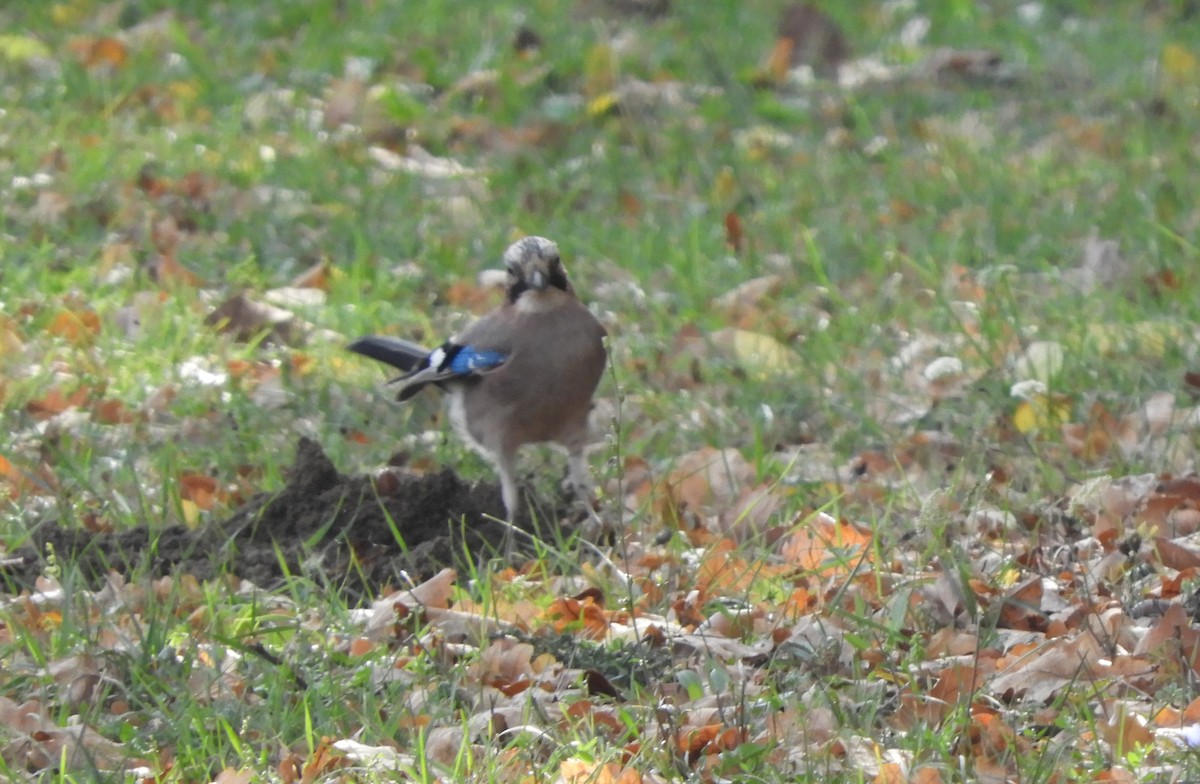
<point x="581" y="484"/>
<point x="511" y="496"/>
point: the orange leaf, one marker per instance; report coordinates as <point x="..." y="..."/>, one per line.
<point x="76" y="327"/>
<point x="1176" y="556"/>
<point x="169" y="271"/>
<point x="55" y="402"/>
<point x="631" y="206"/>
<point x="200" y="489"/>
<point x="8" y="470"/>
<point x="733" y="231"/>
<point x="1124" y="732"/>
<point x="825" y="543"/>
<point x="577" y="771"/>
<point x="112" y="412"/>
<point x="315" y="277"/>
<point x="468" y="296"/>
<point x="100" y="52"/>
<point x="588" y="617"/>
<point x="891" y="773"/>
<point x="780" y="59"/>
<point x="695" y="740"/>
<point x="926" y="774"/>
<point x="15" y="480"/>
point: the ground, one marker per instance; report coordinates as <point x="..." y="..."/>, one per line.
<point x="349" y="531"/>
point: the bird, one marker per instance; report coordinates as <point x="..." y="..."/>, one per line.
<point x="524" y="373"/>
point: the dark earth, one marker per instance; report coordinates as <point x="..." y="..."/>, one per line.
<point x="356" y="534"/>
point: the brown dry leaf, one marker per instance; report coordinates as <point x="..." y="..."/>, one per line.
<point x="505" y="664"/>
<point x="113" y="412"/>
<point x="579" y="771"/>
<point x="734" y="234"/>
<point x="78" y="327"/>
<point x="583" y="616"/>
<point x="10" y="336"/>
<point x="54" y="402"/>
<point x="891" y="773"/>
<point x="434" y="592"/>
<point x="1124" y="731"/>
<point x="954" y="684"/>
<point x="469" y="296"/>
<point x="319" y="765"/>
<point x="806" y="35"/>
<point x="233" y="776"/>
<point x="344" y="102"/>
<point x="200" y="489"/>
<point x="1172" y="638"/>
<point x="747" y="306"/>
<point x="826" y="545"/>
<point x="1176" y="556"/>
<point x="754" y="513"/>
<point x="247" y="319"/>
<point x="1021" y="607"/>
<point x="315" y="277"/>
<point x="948" y="641"/>
<point x="702" y="482"/>
<point x="50" y="208"/>
<point x="926" y="774"/>
<point x="1102" y="267"/>
<point x="721" y="573"/>
<point x="432" y="598"/>
<point x="708" y="739"/>
<point x="37" y="743"/>
<point x="1092" y="439"/>
<point x="1169" y="513"/>
<point x="13" y="482"/>
<point x="169" y="271"/>
<point x="9" y="473"/>
<point x="99" y="52"/>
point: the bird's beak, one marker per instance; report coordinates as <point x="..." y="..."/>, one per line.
<point x="537" y="280"/>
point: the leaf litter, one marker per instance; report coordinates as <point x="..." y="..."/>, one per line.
<point x="756" y="623"/>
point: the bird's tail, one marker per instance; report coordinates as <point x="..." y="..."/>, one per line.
<point x="403" y="355"/>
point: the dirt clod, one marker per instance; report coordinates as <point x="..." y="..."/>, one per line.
<point x="341" y="530"/>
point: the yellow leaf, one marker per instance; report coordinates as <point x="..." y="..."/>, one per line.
<point x="599" y="71"/>
<point x="191" y="512"/>
<point x="68" y="14"/>
<point x="1179" y="65"/>
<point x="602" y="104"/>
<point x="724" y="187"/>
<point x="184" y="90"/>
<point x="759" y="354"/>
<point x="1041" y="412"/>
<point x="1143" y="338"/>
<point x="22" y="48"/>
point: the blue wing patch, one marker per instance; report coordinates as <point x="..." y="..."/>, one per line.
<point x="467" y="360"/>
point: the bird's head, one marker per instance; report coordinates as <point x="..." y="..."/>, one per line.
<point x="533" y="264"/>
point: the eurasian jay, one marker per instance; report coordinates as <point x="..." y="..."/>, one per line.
<point x="524" y="373"/>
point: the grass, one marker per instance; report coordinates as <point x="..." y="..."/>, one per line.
<point x="883" y="210"/>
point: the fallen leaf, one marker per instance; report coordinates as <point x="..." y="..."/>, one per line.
<point x="248" y="319"/>
<point x="78" y="327"/>
<point x="761" y="355"/>
<point x="101" y="52"/>
<point x="22" y="48"/>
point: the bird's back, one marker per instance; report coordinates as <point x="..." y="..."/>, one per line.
<point x="545" y="387"/>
